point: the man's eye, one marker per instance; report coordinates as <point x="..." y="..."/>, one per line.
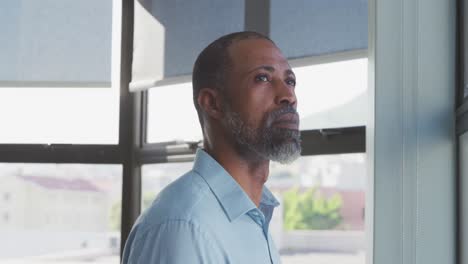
<point x="261" y="78"/>
<point x="291" y="82"/>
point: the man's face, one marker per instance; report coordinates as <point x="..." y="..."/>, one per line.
<point x="261" y="103"/>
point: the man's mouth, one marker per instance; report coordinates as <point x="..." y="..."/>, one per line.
<point x="288" y="120"/>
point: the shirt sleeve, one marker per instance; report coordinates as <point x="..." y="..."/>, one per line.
<point x="173" y="242"/>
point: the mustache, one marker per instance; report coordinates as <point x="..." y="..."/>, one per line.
<point x="274" y="115"/>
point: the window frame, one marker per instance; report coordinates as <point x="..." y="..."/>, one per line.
<point x="462" y="118"/>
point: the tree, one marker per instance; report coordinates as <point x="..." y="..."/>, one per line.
<point x="311" y="210"/>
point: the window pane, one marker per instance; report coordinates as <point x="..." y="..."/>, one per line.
<point x="333" y="94"/>
<point x="67" y="213"/>
<point x="55" y="115"/>
<point x="321" y="216"/>
<point x="324" y="101"/>
<point x="172" y="115"/>
<point x="322" y="209"/>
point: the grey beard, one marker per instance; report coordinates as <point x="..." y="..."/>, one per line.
<point x="277" y="144"/>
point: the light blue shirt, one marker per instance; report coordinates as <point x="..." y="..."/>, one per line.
<point x="204" y="217"/>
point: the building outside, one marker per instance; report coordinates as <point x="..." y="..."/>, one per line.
<point x="44" y="214"/>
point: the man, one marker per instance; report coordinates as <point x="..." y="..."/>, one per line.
<point x="219" y="212"/>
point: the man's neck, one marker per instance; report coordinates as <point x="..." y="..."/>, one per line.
<point x="250" y="174"/>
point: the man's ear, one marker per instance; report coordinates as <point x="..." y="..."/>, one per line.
<point x="211" y="102"/>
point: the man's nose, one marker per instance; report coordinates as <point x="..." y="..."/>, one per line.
<point x="285" y="94"/>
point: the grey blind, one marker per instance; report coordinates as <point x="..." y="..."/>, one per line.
<point x="55" y="42"/>
<point x="170" y="34"/>
<point x="304" y="28"/>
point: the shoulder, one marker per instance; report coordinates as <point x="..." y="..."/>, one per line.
<point x="173" y="241"/>
<point x="178" y="200"/>
<point x="183" y="211"/>
<point x="188" y="198"/>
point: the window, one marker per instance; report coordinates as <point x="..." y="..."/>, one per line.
<point x="324" y="101"/>
<point x="54" y="229"/>
<point x="54" y="115"/>
<point x="59" y="84"/>
<point x="60" y="89"/>
<point x="171" y="114"/>
<point x="322" y="208"/>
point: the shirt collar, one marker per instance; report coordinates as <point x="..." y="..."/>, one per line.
<point x="230" y="195"/>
